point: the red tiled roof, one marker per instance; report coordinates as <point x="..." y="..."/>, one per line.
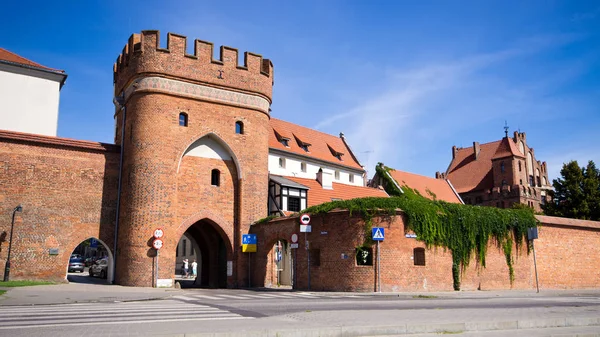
<point x="507" y="148"/>
<point x="318" y="195"/>
<point x="320" y="143"/>
<point x="5" y="55"/>
<point x="426" y="186"/>
<point x="467" y="174"/>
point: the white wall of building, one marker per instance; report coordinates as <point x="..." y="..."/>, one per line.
<point x="293" y="169"/>
<point x="28" y="103"/>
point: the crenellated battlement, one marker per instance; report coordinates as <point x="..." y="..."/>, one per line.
<point x="143" y="55"/>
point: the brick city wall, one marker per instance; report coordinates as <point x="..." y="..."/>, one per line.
<point x="566" y="258"/>
<point x="68" y="192"/>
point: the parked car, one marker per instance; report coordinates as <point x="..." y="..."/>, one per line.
<point x="88" y="262"/>
<point x="99" y="268"/>
<point x="76" y="264"/>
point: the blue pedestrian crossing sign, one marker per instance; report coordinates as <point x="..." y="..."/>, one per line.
<point x="378" y="233"/>
<point x="249" y="243"/>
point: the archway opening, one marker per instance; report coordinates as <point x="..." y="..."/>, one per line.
<point x="280" y="265"/>
<point x="90" y="262"/>
<point x="203" y="249"/>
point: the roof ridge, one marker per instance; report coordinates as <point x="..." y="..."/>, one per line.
<point x="306" y="127"/>
<point x="24" y="61"/>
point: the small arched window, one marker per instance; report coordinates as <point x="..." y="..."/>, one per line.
<point x="239" y="128"/>
<point x="183" y="119"/>
<point x="215" y="178"/>
<point x="502" y="168"/>
<point x="519" y="166"/>
<point x="419" y="256"/>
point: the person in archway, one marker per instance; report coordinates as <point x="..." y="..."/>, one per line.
<point x="194" y="269"/>
<point x="186" y="273"/>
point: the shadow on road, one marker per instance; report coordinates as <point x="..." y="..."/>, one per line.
<point x="85" y="278"/>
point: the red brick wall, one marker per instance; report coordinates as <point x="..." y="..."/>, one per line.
<point x="567" y="257"/>
<point x="153" y="148"/>
<point x="68" y="194"/>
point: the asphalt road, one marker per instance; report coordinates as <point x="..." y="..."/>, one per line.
<point x="235" y="312"/>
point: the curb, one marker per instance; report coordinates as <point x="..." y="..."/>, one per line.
<point x="406" y="329"/>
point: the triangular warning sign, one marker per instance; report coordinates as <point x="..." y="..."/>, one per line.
<point x="378" y="234"/>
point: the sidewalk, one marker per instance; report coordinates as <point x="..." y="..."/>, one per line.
<point x="81" y="293"/>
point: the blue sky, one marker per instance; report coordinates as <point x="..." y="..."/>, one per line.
<point x="404" y="80"/>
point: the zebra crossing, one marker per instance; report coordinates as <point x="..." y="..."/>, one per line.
<point x="259" y="296"/>
<point x="15" y="317"/>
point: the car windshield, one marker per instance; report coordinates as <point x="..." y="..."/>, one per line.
<point x="75" y="259"/>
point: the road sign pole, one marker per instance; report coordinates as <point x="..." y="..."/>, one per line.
<point x="249" y="272"/>
<point x="378" y="269"/>
<point x="308" y="257"/>
<point x="156" y="282"/>
<point x="537" y="285"/>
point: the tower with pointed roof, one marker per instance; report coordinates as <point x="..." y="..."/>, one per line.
<point x="499" y="173"/>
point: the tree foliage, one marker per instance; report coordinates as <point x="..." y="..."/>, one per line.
<point x="576" y="193"/>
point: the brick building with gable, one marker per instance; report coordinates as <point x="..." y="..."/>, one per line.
<point x="499" y="173"/>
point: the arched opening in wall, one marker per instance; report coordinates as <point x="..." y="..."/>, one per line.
<point x="91" y="262"/>
<point x="203" y="249"/>
<point x="280" y="265"/>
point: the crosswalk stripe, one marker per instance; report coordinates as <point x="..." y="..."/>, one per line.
<point x="234" y="297"/>
<point x="233" y="316"/>
<point x="21" y="317"/>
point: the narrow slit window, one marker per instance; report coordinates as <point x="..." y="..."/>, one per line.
<point x="282" y="162"/>
<point x="183" y="119"/>
<point x="303" y="167"/>
<point x="337" y="175"/>
<point x="239" y="128"/>
<point x="215" y="178"/>
<point x="351" y="178"/>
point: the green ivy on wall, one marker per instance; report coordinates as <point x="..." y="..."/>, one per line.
<point x="465" y="230"/>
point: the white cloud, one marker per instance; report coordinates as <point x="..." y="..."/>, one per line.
<point x="445" y="103"/>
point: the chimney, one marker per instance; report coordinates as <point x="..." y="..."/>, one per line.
<point x="439" y="175"/>
<point x="476" y="149"/>
<point x="325" y="179"/>
<point x="454" y="150"/>
<point x="516" y="137"/>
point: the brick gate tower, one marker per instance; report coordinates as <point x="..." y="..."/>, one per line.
<point x="195" y="153"/>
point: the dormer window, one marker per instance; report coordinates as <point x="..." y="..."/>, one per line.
<point x="303" y="145"/>
<point x="335" y="153"/>
<point x="285" y="141"/>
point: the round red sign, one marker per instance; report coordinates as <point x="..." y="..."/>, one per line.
<point x="294" y="238"/>
<point x="157" y="244"/>
<point x="305" y="219"/>
<point x="158" y="233"/>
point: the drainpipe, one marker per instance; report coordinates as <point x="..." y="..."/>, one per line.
<point x="119" y="102"/>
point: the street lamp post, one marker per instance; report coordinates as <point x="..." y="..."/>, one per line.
<point x="12" y="225"/>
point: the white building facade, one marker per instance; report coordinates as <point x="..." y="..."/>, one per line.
<point x="29" y="95"/>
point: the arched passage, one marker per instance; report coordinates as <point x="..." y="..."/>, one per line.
<point x="90" y="253"/>
<point x="280" y="264"/>
<point x="205" y="243"/>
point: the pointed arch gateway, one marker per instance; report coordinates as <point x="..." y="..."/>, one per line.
<point x="208" y="183"/>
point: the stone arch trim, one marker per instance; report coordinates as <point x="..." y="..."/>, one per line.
<point x="220" y="140"/>
<point x="213" y="217"/>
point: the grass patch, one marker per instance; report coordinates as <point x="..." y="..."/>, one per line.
<point x="424" y="296"/>
<point x="2" y="292"/>
<point x="11" y="284"/>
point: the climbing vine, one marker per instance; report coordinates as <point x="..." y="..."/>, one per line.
<point x="465" y="230"/>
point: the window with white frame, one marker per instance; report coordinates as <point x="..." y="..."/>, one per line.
<point x="351" y="177"/>
<point x="282" y="162"/>
<point x="337" y="175"/>
<point x="303" y="167"/>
